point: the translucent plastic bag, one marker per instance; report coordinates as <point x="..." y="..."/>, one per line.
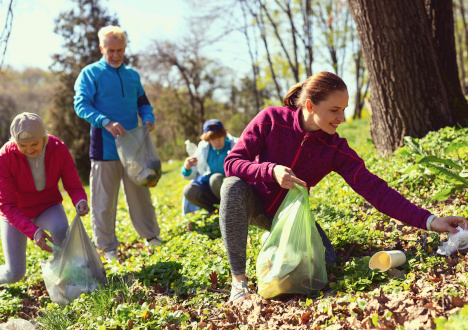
<point x="458" y="241"/>
<point x="139" y="156"/>
<point x="74" y="268"/>
<point x="196" y="151"/>
<point x="292" y="260"/>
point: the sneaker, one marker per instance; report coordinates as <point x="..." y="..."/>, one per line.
<point x="156" y="241"/>
<point x="110" y="255"/>
<point x="240" y="293"/>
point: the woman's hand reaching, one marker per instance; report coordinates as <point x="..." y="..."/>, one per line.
<point x="40" y="240"/>
<point x="82" y="208"/>
<point x="286" y="177"/>
<point x="448" y="224"/>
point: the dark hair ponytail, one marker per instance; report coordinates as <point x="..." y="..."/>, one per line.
<point x="316" y="88"/>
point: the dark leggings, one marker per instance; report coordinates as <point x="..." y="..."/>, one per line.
<point x="241" y="207"/>
<point x="205" y="196"/>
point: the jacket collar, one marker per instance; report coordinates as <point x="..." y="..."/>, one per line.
<point x="298" y="127"/>
<point x="107" y="66"/>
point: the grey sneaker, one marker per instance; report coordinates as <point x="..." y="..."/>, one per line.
<point x="156" y="241"/>
<point x="110" y="255"/>
<point x="240" y="293"/>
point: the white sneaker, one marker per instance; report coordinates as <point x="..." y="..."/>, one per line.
<point x="110" y="255"/>
<point x="156" y="241"/>
<point x="240" y="294"/>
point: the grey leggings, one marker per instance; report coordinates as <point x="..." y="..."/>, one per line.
<point x="53" y="220"/>
<point x="205" y="196"/>
<point x="241" y="207"/>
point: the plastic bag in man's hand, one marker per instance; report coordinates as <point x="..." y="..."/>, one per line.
<point x="139" y="156"/>
<point x="458" y="241"/>
<point x="75" y="268"/>
<point x="292" y="260"/>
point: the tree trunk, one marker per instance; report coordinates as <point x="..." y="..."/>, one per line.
<point x="465" y="30"/>
<point x="409" y="94"/>
<point x="440" y="12"/>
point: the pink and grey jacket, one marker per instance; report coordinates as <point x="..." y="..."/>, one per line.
<point x="19" y="199"/>
<point x="275" y="137"/>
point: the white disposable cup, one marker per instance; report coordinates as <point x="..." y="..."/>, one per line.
<point x="384" y="260"/>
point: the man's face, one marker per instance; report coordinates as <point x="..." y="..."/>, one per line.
<point x="113" y="50"/>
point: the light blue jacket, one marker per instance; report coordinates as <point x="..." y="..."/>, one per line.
<point x="101" y="92"/>
<point x="203" y="169"/>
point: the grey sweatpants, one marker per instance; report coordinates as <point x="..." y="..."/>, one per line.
<point x="105" y="180"/>
<point x="241" y="207"/>
<point x="52" y="220"/>
<point x="205" y="196"/>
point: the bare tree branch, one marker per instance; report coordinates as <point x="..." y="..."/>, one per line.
<point x="5" y="36"/>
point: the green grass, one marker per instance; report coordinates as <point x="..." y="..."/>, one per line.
<point x="151" y="288"/>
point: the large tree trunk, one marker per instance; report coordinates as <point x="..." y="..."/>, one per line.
<point x="409" y="93"/>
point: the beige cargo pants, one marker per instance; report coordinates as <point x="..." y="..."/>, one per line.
<point x="105" y="179"/>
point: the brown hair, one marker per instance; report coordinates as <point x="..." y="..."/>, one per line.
<point x="213" y="134"/>
<point x="316" y="88"/>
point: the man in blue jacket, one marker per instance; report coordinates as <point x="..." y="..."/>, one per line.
<point x="110" y="97"/>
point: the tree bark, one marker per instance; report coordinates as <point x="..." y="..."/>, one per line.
<point x="440" y="13"/>
<point x="409" y="93"/>
<point x="465" y="30"/>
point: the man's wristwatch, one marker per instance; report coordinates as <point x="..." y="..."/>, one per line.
<point x="105" y="121"/>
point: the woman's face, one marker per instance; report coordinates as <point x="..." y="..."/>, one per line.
<point x="31" y="149"/>
<point x="327" y="114"/>
<point x="217" y="143"/>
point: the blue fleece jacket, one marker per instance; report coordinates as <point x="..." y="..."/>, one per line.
<point x="101" y="92"/>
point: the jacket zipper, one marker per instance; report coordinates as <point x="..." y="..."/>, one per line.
<point x="292" y="166"/>
<point x="121" y="83"/>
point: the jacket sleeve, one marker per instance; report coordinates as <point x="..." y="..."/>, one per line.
<point x="70" y="179"/>
<point x="85" y="91"/>
<point x="145" y="110"/>
<point x="189" y="175"/>
<point x="375" y="190"/>
<point x="9" y="202"/>
<point x="242" y="160"/>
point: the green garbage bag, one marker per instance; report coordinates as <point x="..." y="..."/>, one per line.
<point x="139" y="156"/>
<point x="74" y="268"/>
<point x="292" y="259"/>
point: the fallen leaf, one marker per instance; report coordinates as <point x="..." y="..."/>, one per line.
<point x="457" y="301"/>
<point x="305" y="318"/>
<point x="214" y="279"/>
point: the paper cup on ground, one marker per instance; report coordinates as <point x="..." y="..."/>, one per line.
<point x="385" y="260"/>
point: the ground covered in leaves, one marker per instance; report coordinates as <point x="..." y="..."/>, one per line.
<point x="185" y="283"/>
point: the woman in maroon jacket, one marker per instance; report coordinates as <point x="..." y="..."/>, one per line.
<point x="31" y="165"/>
<point x="298" y="143"/>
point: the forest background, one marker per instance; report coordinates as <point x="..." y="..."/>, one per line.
<point x="230" y="61"/>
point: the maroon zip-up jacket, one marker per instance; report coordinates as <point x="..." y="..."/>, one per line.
<point x="276" y="137"/>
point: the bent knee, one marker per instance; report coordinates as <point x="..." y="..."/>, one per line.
<point x="191" y="191"/>
<point x="234" y="185"/>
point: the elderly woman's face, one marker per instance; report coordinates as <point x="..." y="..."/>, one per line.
<point x="31" y="149"/>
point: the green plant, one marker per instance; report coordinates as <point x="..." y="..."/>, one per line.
<point x="445" y="169"/>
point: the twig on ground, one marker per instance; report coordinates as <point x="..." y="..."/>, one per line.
<point x="206" y="247"/>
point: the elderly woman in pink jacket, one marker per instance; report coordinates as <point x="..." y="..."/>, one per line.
<point x="31" y="165"/>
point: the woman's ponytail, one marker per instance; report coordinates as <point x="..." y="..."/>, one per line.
<point x="290" y="100"/>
